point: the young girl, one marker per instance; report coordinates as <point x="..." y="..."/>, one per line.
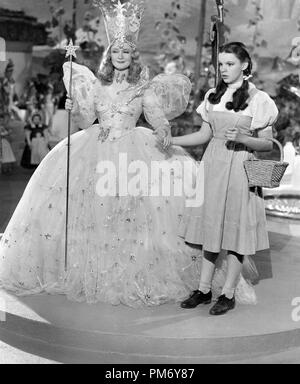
<point x="37" y="142"/>
<point x="7" y="157"/>
<point x="237" y="120"/>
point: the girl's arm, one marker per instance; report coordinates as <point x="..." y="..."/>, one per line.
<point x="203" y="136"/>
<point x="258" y="144"/>
<point x="261" y="143"/>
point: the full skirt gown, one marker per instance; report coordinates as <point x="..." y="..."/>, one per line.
<point x="122" y="247"/>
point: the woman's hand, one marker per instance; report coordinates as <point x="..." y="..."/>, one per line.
<point x="234" y="134"/>
<point x="167" y="142"/>
<point x="69" y="104"/>
<point x="164" y="137"/>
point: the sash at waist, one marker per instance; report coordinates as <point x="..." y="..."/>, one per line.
<point x="220" y="137"/>
<point x="231" y="145"/>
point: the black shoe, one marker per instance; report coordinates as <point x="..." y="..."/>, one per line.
<point x="222" y="306"/>
<point x="196" y="299"/>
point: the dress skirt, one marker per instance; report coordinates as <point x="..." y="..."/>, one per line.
<point x="233" y="216"/>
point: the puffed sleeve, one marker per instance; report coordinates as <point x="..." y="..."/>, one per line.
<point x="264" y="114"/>
<point x="154" y="112"/>
<point x="204" y="106"/>
<point x="83" y="94"/>
<point x="173" y="93"/>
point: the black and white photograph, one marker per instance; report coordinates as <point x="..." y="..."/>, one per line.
<point x="149" y="185"/>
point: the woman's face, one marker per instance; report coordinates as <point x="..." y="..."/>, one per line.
<point x="121" y="56"/>
<point x="231" y="68"/>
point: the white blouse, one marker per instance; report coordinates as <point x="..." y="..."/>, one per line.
<point x="261" y="108"/>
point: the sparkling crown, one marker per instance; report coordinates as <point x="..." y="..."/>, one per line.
<point x="122" y="21"/>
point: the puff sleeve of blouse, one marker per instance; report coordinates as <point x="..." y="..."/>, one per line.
<point x="203" y="108"/>
<point x="263" y="111"/>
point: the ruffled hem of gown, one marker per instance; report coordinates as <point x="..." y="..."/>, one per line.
<point x="244" y="294"/>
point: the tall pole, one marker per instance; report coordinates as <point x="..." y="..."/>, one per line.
<point x="217" y="37"/>
<point x="201" y="31"/>
<point x="74" y="19"/>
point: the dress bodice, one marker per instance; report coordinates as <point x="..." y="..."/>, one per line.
<point x="220" y="122"/>
<point x="36" y="131"/>
<point x="119" y="114"/>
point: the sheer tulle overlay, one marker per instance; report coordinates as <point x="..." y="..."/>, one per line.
<point x="123" y="248"/>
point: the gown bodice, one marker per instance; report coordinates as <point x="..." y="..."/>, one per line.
<point x="161" y="99"/>
<point x="119" y="115"/>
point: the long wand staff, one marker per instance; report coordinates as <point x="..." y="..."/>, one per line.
<point x="217" y="37"/>
<point x="71" y="52"/>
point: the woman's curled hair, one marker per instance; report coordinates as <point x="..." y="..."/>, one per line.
<point x="106" y="69"/>
<point x="240" y="97"/>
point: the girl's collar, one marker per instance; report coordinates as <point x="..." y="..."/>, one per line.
<point x="238" y="85"/>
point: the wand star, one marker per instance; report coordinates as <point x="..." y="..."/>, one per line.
<point x="71" y="49"/>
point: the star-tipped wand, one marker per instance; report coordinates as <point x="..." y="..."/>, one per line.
<point x="70" y="53"/>
<point x="71" y="49"/>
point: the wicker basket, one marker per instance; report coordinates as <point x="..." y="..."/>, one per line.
<point x="266" y="173"/>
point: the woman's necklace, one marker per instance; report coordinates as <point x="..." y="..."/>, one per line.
<point x="120" y="77"/>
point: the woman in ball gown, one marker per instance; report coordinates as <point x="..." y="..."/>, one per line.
<point x="123" y="247"/>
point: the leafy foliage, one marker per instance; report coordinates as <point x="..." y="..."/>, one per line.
<point x="254" y="22"/>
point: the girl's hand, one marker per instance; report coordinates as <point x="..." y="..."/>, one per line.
<point x="69" y="104"/>
<point x="234" y="134"/>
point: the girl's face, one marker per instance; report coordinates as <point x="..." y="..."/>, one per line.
<point x="121" y="56"/>
<point x="231" y="68"/>
<point x="36" y="120"/>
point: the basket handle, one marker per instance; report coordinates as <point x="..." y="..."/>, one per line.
<point x="280" y="148"/>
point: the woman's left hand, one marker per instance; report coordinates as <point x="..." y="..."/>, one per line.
<point x="234" y="134"/>
<point x="167" y="142"/>
<point x="164" y="138"/>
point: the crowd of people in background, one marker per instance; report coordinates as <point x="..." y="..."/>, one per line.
<point x="34" y="109"/>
